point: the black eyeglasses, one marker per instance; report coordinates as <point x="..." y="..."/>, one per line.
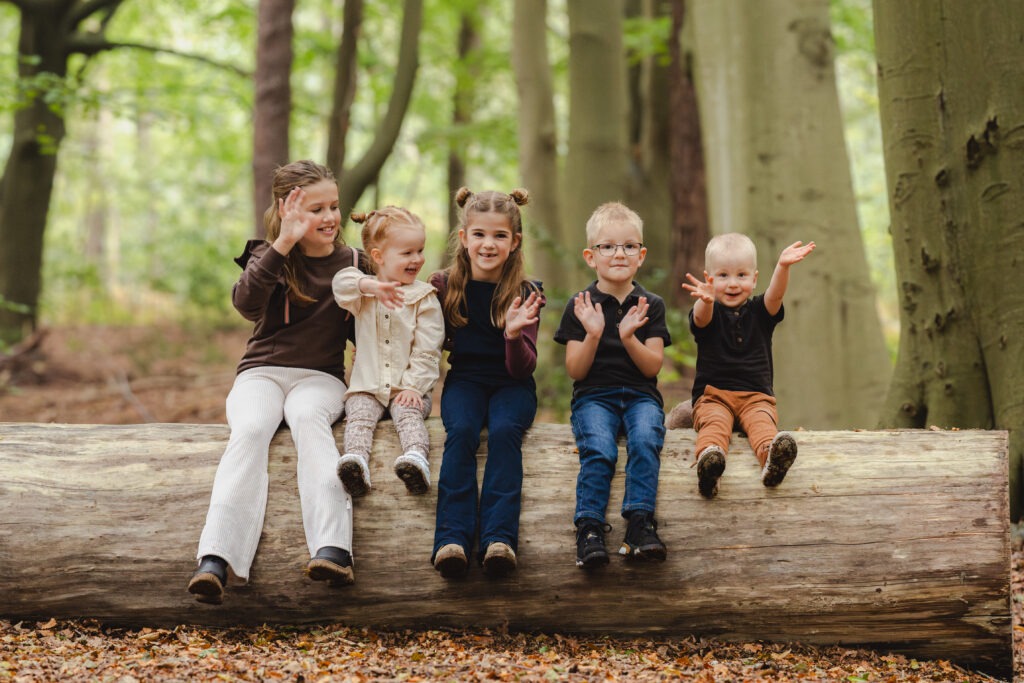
<point x="629" y="248"/>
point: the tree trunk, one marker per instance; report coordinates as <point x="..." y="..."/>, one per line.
<point x="690" y="231"/>
<point x="27" y="182"/>
<point x="554" y="254"/>
<point x="272" y="107"/>
<point x="365" y="172"/>
<point x="649" y="161"/>
<point x="103" y="521"/>
<point x="345" y="78"/>
<point x="954" y="157"/>
<point x="467" y="74"/>
<point x="596" y="163"/>
<point x="778" y="171"/>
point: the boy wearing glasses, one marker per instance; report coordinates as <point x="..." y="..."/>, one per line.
<point x="615" y="337"/>
<point x="733" y="385"/>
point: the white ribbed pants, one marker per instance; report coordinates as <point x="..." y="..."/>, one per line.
<point x="309" y="401"/>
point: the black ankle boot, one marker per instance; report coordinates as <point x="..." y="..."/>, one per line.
<point x="333" y="565"/>
<point x="208" y="580"/>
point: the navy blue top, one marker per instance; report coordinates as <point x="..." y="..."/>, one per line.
<point x="734" y="350"/>
<point x="612" y="365"/>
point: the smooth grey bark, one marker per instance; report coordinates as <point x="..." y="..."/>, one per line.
<point x="777" y="170"/>
<point x="553" y="252"/>
<point x="953" y="129"/>
<point x="596" y="162"/>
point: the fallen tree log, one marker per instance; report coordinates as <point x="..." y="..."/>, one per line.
<point x="897" y="540"/>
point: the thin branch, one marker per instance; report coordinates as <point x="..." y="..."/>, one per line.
<point x="94" y="44"/>
<point x="86" y="9"/>
<point x="363" y="173"/>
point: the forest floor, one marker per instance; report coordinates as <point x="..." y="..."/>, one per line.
<point x="173" y="374"/>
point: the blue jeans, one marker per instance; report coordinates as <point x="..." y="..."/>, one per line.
<point x="598" y="418"/>
<point x="507" y="409"/>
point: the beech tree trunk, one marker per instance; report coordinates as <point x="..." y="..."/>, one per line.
<point x="777" y="170"/>
<point x="554" y="251"/>
<point x="954" y="155"/>
<point x="597" y="157"/>
<point x="272" y="106"/>
<point x="893" y="540"/>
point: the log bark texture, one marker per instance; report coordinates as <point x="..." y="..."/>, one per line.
<point x="896" y="540"/>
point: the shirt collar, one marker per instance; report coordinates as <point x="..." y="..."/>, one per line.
<point x="597" y="296"/>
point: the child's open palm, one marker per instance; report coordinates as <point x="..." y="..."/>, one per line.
<point x="522" y="313"/>
<point x="588" y="313"/>
<point x="388" y="293"/>
<point x="296" y="222"/>
<point x="795" y="253"/>
<point x="635" y="318"/>
<point x="705" y="291"/>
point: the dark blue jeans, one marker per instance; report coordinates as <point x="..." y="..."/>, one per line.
<point x="598" y="418"/>
<point x="507" y="409"/>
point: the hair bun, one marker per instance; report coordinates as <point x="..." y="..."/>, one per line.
<point x="359" y="217"/>
<point x="520" y="196"/>
<point x="462" y="196"/>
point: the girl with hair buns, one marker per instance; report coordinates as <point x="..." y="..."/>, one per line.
<point x="399" y="330"/>
<point x="293" y="369"/>
<point x="491" y="314"/>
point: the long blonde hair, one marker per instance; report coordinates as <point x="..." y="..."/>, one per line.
<point x="286" y="178"/>
<point x="512" y="282"/>
<point x="378" y="223"/>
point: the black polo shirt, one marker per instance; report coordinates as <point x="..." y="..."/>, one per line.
<point x="612" y="365"/>
<point x="734" y="351"/>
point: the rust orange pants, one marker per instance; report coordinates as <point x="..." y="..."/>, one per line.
<point x="717" y="411"/>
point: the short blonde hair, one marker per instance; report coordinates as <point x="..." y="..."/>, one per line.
<point x="735" y="244"/>
<point x="612" y="212"/>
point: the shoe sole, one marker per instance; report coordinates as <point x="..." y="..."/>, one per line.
<point x="452" y="567"/>
<point x="412" y="477"/>
<point x="207" y="588"/>
<point x="648" y="553"/>
<point x="780" y="459"/>
<point x="499" y="566"/>
<point x="351" y="475"/>
<point x="593" y="560"/>
<point x="333" y="574"/>
<point x="709" y="471"/>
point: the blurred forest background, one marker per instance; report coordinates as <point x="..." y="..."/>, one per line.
<point x="140" y="136"/>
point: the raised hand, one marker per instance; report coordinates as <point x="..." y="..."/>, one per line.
<point x="296" y="222"/>
<point x="409" y="399"/>
<point x="521" y="314"/>
<point x="388" y="293"/>
<point x="705" y="291"/>
<point x="588" y="313"/>
<point x="635" y="318"/>
<point x="795" y="253"/>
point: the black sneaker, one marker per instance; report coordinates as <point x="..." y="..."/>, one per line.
<point x="333" y="565"/>
<point x="710" y="466"/>
<point x="781" y="455"/>
<point x="642" y="542"/>
<point x="208" y="580"/>
<point x="590" y="550"/>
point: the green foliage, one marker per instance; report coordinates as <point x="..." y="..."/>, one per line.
<point x="647" y="37"/>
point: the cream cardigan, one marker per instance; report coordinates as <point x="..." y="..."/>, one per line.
<point x="396" y="349"/>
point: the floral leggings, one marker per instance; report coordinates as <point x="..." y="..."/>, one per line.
<point x="363" y="411"/>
